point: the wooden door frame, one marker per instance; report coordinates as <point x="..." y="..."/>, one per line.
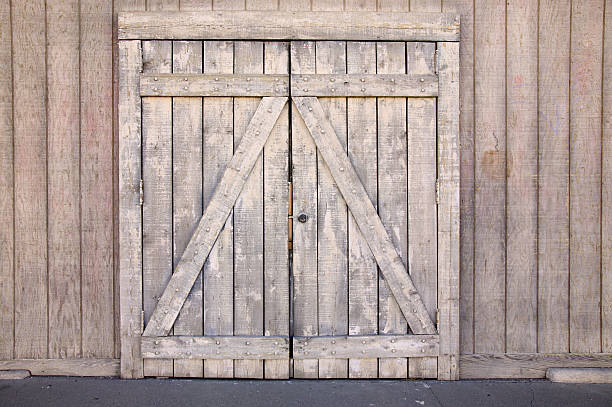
<point x="249" y="25"/>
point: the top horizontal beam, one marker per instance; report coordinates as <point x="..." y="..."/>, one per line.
<point x="288" y="25"/>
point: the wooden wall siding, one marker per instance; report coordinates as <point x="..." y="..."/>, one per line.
<point x="558" y="294"/>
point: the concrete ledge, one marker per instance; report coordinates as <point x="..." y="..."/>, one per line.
<point x="579" y="375"/>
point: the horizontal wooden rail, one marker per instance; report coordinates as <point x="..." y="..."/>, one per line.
<point x="364" y="85"/>
<point x="64" y="367"/>
<point x="214" y="85"/>
<point x="215" y="347"/>
<point x="288" y="25"/>
<point x="369" y="346"/>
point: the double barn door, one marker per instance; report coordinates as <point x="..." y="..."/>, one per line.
<point x="222" y="143"/>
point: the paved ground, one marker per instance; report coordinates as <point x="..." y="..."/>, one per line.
<point x="56" y="391"/>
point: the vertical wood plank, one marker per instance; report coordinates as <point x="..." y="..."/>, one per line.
<point x="195" y="5"/>
<point x="304" y="161"/>
<point x="294" y="5"/>
<point x="218" y="134"/>
<point x="63" y="176"/>
<point x="187" y="191"/>
<point x="553" y="186"/>
<point x="393" y="5"/>
<point x="490" y="175"/>
<point x="422" y="210"/>
<point x="130" y="233"/>
<point x="426" y="5"/>
<point x="585" y="175"/>
<point x="276" y="202"/>
<point x="606" y="195"/>
<point x="522" y="176"/>
<point x="392" y="193"/>
<point x="466" y="103"/>
<point x="261" y="5"/>
<point x="157" y="187"/>
<point x="30" y="172"/>
<point x="248" y="220"/>
<point x="228" y="4"/>
<point x="7" y="323"/>
<point x="448" y="210"/>
<point x="331" y="58"/>
<point x="327" y="5"/>
<point x="97" y="178"/>
<point x="360" y="5"/>
<point x="362" y="151"/>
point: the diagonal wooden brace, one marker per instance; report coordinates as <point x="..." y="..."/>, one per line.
<point x="372" y="228"/>
<point x="214" y="217"/>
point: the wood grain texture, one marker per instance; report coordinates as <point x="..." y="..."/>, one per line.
<point x="585" y="175"/>
<point x="63" y="147"/>
<point x="355" y="85"/>
<point x="606" y="194"/>
<point x="256" y="85"/>
<point x="522" y="176"/>
<point x="392" y="194"/>
<point x="553" y="182"/>
<point x="187" y="192"/>
<point x="579" y="375"/>
<point x="283" y="25"/>
<point x="65" y="367"/>
<point x="490" y="177"/>
<point x="7" y="322"/>
<point x="30" y="177"/>
<point x="240" y="348"/>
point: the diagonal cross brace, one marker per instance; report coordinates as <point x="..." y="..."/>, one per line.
<point x="214" y="216"/>
<point x="372" y="228"/>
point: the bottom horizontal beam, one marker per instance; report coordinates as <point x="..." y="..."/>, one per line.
<point x="368" y="346"/>
<point x="215" y="347"/>
<point x="64" y="367"/>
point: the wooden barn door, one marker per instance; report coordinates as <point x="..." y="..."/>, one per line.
<point x="213" y="134"/>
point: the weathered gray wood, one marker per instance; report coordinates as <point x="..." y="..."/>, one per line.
<point x="14" y="374"/>
<point x="332" y="275"/>
<point x="365" y="215"/>
<point x="304" y="160"/>
<point x="362" y="153"/>
<point x="218" y="147"/>
<point x="157" y="192"/>
<point x="66" y="367"/>
<point x="187" y="191"/>
<point x="606" y="193"/>
<point x="448" y="211"/>
<point x="526" y="365"/>
<point x="356" y="85"/>
<point x="240" y="348"/>
<point x="392" y="195"/>
<point x="282" y="25"/>
<point x="130" y="232"/>
<point x="367" y="347"/>
<point x="276" y="207"/>
<point x="579" y="375"/>
<point x="214" y="217"/>
<point x="248" y="221"/>
<point x="238" y="84"/>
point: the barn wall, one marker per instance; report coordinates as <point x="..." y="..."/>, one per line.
<point x="536" y="165"/>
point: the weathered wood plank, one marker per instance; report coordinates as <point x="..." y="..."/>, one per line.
<point x="422" y="210"/>
<point x="276" y="207"/>
<point x="526" y="365"/>
<point x="392" y="195"/>
<point x="248" y="221"/>
<point x="553" y="183"/>
<point x="7" y="288"/>
<point x="448" y="211"/>
<point x="522" y="176"/>
<point x="64" y="367"/>
<point x="238" y="84"/>
<point x="332" y="277"/>
<point x="187" y="192"/>
<point x="218" y="128"/>
<point x="356" y="85"/>
<point x="30" y="178"/>
<point x="579" y="375"/>
<point x="327" y="5"/>
<point x="490" y="176"/>
<point x="130" y="232"/>
<point x="63" y="145"/>
<point x="196" y="5"/>
<point x="287" y="25"/>
<point x="214" y="217"/>
<point x="14" y="374"/>
<point x="365" y="215"/>
<point x="368" y="346"/>
<point x="157" y="192"/>
<point x="304" y="176"/>
<point x="294" y="5"/>
<point x="585" y="175"/>
<point x="241" y="348"/>
<point x="362" y="152"/>
<point x="606" y="193"/>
